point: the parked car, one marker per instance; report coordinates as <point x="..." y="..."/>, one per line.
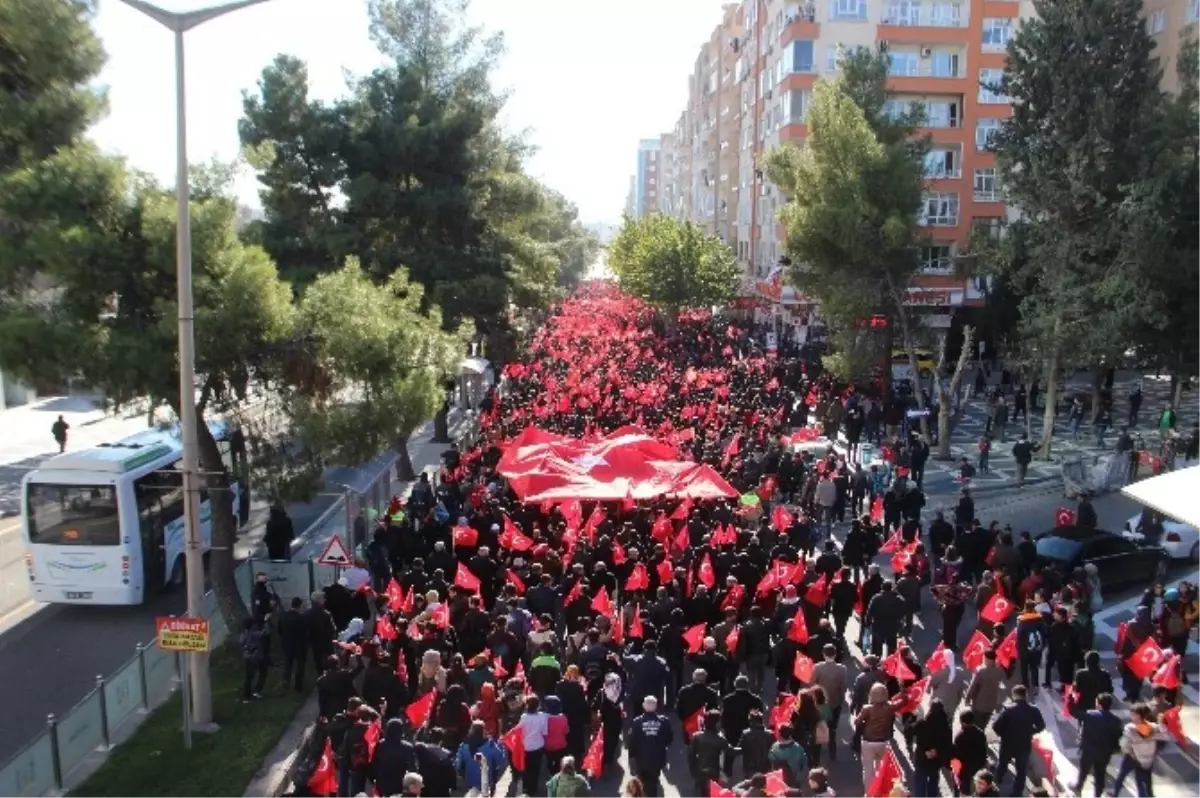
<point x="1179" y="540"/>
<point x="1118" y="560"/>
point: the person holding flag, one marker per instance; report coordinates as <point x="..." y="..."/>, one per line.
<point x="1140" y="741"/>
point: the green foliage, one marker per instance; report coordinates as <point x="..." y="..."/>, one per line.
<point x="425" y="178"/>
<point x="854" y="191"/>
<point x="1079" y="148"/>
<point x="672" y="264"/>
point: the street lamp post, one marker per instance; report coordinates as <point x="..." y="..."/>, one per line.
<point x="179" y="23"/>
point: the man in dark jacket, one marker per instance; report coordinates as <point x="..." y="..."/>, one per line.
<point x="293" y="636"/>
<point x="735" y="715"/>
<point x="321" y="631"/>
<point x="964" y="512"/>
<point x="755" y="746"/>
<point x="394" y="756"/>
<point x="884" y="616"/>
<point x="1031" y="642"/>
<point x="1016" y="726"/>
<point x="696" y="696"/>
<point x="754" y="647"/>
<point x="647" y="674"/>
<point x="650" y="738"/>
<point x="1100" y="738"/>
<point x="436" y="765"/>
<point x="908" y="587"/>
<point x="705" y="751"/>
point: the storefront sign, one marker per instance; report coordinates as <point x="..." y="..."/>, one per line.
<point x="934" y="297"/>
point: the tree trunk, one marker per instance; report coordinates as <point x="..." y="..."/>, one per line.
<point x="946" y="421"/>
<point x="221" y="561"/>
<point x="889" y="337"/>
<point x="441" y="424"/>
<point x="1097" y="379"/>
<point x="1049" y="416"/>
<point x="404" y="466"/>
<point x="1177" y="391"/>
<point x="151" y="406"/>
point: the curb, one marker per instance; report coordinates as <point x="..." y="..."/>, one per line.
<point x="279" y="768"/>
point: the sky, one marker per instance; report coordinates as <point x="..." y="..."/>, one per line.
<point x="587" y="79"/>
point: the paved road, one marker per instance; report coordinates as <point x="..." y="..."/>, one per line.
<point x="940" y="478"/>
<point x="1033" y="511"/>
<point x="52" y="658"/>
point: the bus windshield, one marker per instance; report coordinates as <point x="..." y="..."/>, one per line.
<point x="72" y="515"/>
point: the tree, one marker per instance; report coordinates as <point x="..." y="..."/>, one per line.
<point x="672" y="264"/>
<point x="385" y="361"/>
<point x="854" y="191"/>
<point x="1080" y="144"/>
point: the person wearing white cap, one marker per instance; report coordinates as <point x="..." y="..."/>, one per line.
<point x="650" y="737"/>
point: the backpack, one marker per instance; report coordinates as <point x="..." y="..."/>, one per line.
<point x="561" y="786"/>
<point x="1175" y="625"/>
<point x="252" y="646"/>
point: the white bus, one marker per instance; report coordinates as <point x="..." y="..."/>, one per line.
<point x="106" y="525"/>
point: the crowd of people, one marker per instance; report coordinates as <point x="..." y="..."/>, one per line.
<point x="479" y="638"/>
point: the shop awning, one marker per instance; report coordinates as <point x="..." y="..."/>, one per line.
<point x="1173" y="494"/>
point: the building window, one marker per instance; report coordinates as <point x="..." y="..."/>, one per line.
<point x="1193" y="11"/>
<point x="995" y="33"/>
<point x="989" y="226"/>
<point x="795" y="106"/>
<point x="985" y="128"/>
<point x="903" y="64"/>
<point x="1156" y="22"/>
<point x="941" y="163"/>
<point x="989" y="86"/>
<point x="903" y="12"/>
<point x="848" y="9"/>
<point x="987" y="186"/>
<point x="945" y="15"/>
<point x="831" y="58"/>
<point x="939" y="209"/>
<point x="937" y="259"/>
<point x="802" y="56"/>
<point x="945" y="65"/>
<point x="941" y="114"/>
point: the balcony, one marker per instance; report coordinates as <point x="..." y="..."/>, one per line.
<point x="914" y="23"/>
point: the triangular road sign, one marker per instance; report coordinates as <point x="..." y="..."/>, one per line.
<point x="334" y="553"/>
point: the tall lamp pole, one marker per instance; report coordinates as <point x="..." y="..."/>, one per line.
<point x="179" y="23"/>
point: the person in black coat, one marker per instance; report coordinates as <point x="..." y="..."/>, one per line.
<point x="575" y="706"/>
<point x="884" y="615"/>
<point x="436" y="766"/>
<point x="842" y="596"/>
<point x="932" y="744"/>
<point x="1016" y="726"/>
<point x="293" y="636"/>
<point x="394" y="757"/>
<point x="970" y="748"/>
<point x="1099" y="739"/>
<point x="735" y="715"/>
<point x="321" y="631"/>
<point x="696" y="696"/>
<point x="1090" y="682"/>
<point x="279" y="534"/>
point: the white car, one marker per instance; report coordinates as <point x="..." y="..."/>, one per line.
<point x="1180" y="541"/>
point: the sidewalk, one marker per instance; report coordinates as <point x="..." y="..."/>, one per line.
<point x="27" y="442"/>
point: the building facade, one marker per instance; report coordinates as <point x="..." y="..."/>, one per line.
<point x="647" y="180"/>
<point x="749" y="91"/>
<point x="1170" y="23"/>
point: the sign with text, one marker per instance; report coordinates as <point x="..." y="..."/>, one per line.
<point x="182" y="634"/>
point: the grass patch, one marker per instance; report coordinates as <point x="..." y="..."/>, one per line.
<point x="153" y="760"/>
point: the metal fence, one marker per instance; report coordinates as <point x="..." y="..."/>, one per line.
<point x="152" y="675"/>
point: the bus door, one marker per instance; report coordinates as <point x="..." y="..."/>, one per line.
<point x="160" y="503"/>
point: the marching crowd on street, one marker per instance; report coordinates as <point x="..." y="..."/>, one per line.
<point x="480" y="639"/>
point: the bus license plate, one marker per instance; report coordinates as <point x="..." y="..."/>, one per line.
<point x="79" y="596"/>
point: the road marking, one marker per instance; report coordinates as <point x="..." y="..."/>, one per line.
<point x="15" y="526"/>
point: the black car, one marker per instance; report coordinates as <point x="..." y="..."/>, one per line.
<point x="1118" y="561"/>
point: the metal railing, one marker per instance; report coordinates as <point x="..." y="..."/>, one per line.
<point x="153" y="675"/>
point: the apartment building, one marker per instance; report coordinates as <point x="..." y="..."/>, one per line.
<point x="1170" y="23"/>
<point x="749" y="91"/>
<point x="648" y="179"/>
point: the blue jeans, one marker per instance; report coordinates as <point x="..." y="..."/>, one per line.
<point x="1142" y="777"/>
<point x="1020" y="760"/>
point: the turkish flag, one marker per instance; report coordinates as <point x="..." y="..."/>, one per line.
<point x="1122" y="631"/>
<point x="1145" y="659"/>
<point x="441" y="616"/>
<point x="572" y="512"/>
<point x="515" y="580"/>
<point x="1174" y="725"/>
<point x="638" y="579"/>
<point x="1047" y="757"/>
<point x="617" y="627"/>
<point x="635" y="625"/>
<point x="877" y="510"/>
<point x="908" y="700"/>
<point x="781" y="519"/>
<point x="892" y="544"/>
<point x="465" y="579"/>
<point x="733" y="598"/>
<point x="1167" y="674"/>
<point x="576" y="592"/>
<point x="997" y="609"/>
<point x="731" y="451"/>
<point x="681" y="541"/>
<point x="977" y="646"/>
<point x="802" y="668"/>
<point x="818" y="592"/>
<point x="406" y="603"/>
<point x="776" y="786"/>
<point x="1006" y="653"/>
<point x="666" y="572"/>
<point x="691" y="724"/>
<point x="514" y="741"/>
<point x="395" y="594"/>
<point x="708" y="575"/>
<point x="385" y="629"/>
<point x="1064" y="516"/>
<point x="662" y="529"/>
<point x="682" y="511"/>
<point x="715" y="790"/>
<point x="601" y="603"/>
<point x="1070" y="696"/>
<point x="694" y="637"/>
<point x="418" y="711"/>
<point x="895" y="666"/>
<point x="498" y="668"/>
<point x="618" y="553"/>
<point x="886" y="775"/>
<point x="799" y="628"/>
<point x="937" y="660"/>
<point x="324" y="781"/>
<point x="513" y="538"/>
<point x="731" y="640"/>
<point x="594" y="521"/>
<point x="465" y="536"/>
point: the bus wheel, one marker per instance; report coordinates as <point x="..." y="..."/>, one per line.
<point x="178" y="575"/>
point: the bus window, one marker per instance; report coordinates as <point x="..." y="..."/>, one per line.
<point x="72" y="515"/>
<point x="160" y="500"/>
